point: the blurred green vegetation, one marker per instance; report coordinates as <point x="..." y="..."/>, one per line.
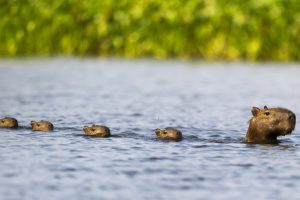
<point x="205" y="29"/>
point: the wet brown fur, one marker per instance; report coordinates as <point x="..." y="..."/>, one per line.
<point x="269" y="123"/>
<point x="42" y="126"/>
<point x="169" y="133"/>
<point x="97" y="131"/>
<point x="8" y="122"/>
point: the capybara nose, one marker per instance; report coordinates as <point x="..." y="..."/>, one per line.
<point x="157" y="132"/>
<point x="292" y="116"/>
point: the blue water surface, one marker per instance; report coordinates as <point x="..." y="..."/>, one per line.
<point x="210" y="102"/>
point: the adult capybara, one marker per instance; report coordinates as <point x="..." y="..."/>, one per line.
<point x="269" y="123"/>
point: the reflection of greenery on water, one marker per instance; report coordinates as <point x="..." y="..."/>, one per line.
<point x="210" y="29"/>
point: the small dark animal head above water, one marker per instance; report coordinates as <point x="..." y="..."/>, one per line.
<point x="268" y="123"/>
<point x="169" y="133"/>
<point x="97" y="131"/>
<point x="42" y="126"/>
<point x="8" y="122"/>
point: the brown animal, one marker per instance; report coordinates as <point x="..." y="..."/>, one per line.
<point x="269" y="123"/>
<point x="169" y="133"/>
<point x="42" y="126"/>
<point x="8" y="122"/>
<point x="97" y="131"/>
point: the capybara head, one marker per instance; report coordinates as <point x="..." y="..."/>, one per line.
<point x="42" y="126"/>
<point x="168" y="133"/>
<point x="97" y="131"/>
<point x="268" y="123"/>
<point x="8" y="122"/>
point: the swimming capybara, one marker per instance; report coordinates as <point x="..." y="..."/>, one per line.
<point x="8" y="122"/>
<point x="42" y="126"/>
<point x="97" y="131"/>
<point x="169" y="133"/>
<point x="269" y="123"/>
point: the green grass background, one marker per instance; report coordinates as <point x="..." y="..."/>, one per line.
<point x="198" y="29"/>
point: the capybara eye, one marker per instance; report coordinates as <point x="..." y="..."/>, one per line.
<point x="267" y="113"/>
<point x="49" y="125"/>
<point x="93" y="129"/>
<point x="38" y="124"/>
<point x="165" y="132"/>
<point x="2" y="121"/>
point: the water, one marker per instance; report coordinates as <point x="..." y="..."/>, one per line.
<point x="210" y="103"/>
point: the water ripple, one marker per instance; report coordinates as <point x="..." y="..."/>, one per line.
<point x="210" y="104"/>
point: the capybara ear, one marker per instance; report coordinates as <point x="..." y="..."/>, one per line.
<point x="265" y="107"/>
<point x="255" y="111"/>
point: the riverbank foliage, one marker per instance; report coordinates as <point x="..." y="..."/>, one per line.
<point x="204" y="29"/>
